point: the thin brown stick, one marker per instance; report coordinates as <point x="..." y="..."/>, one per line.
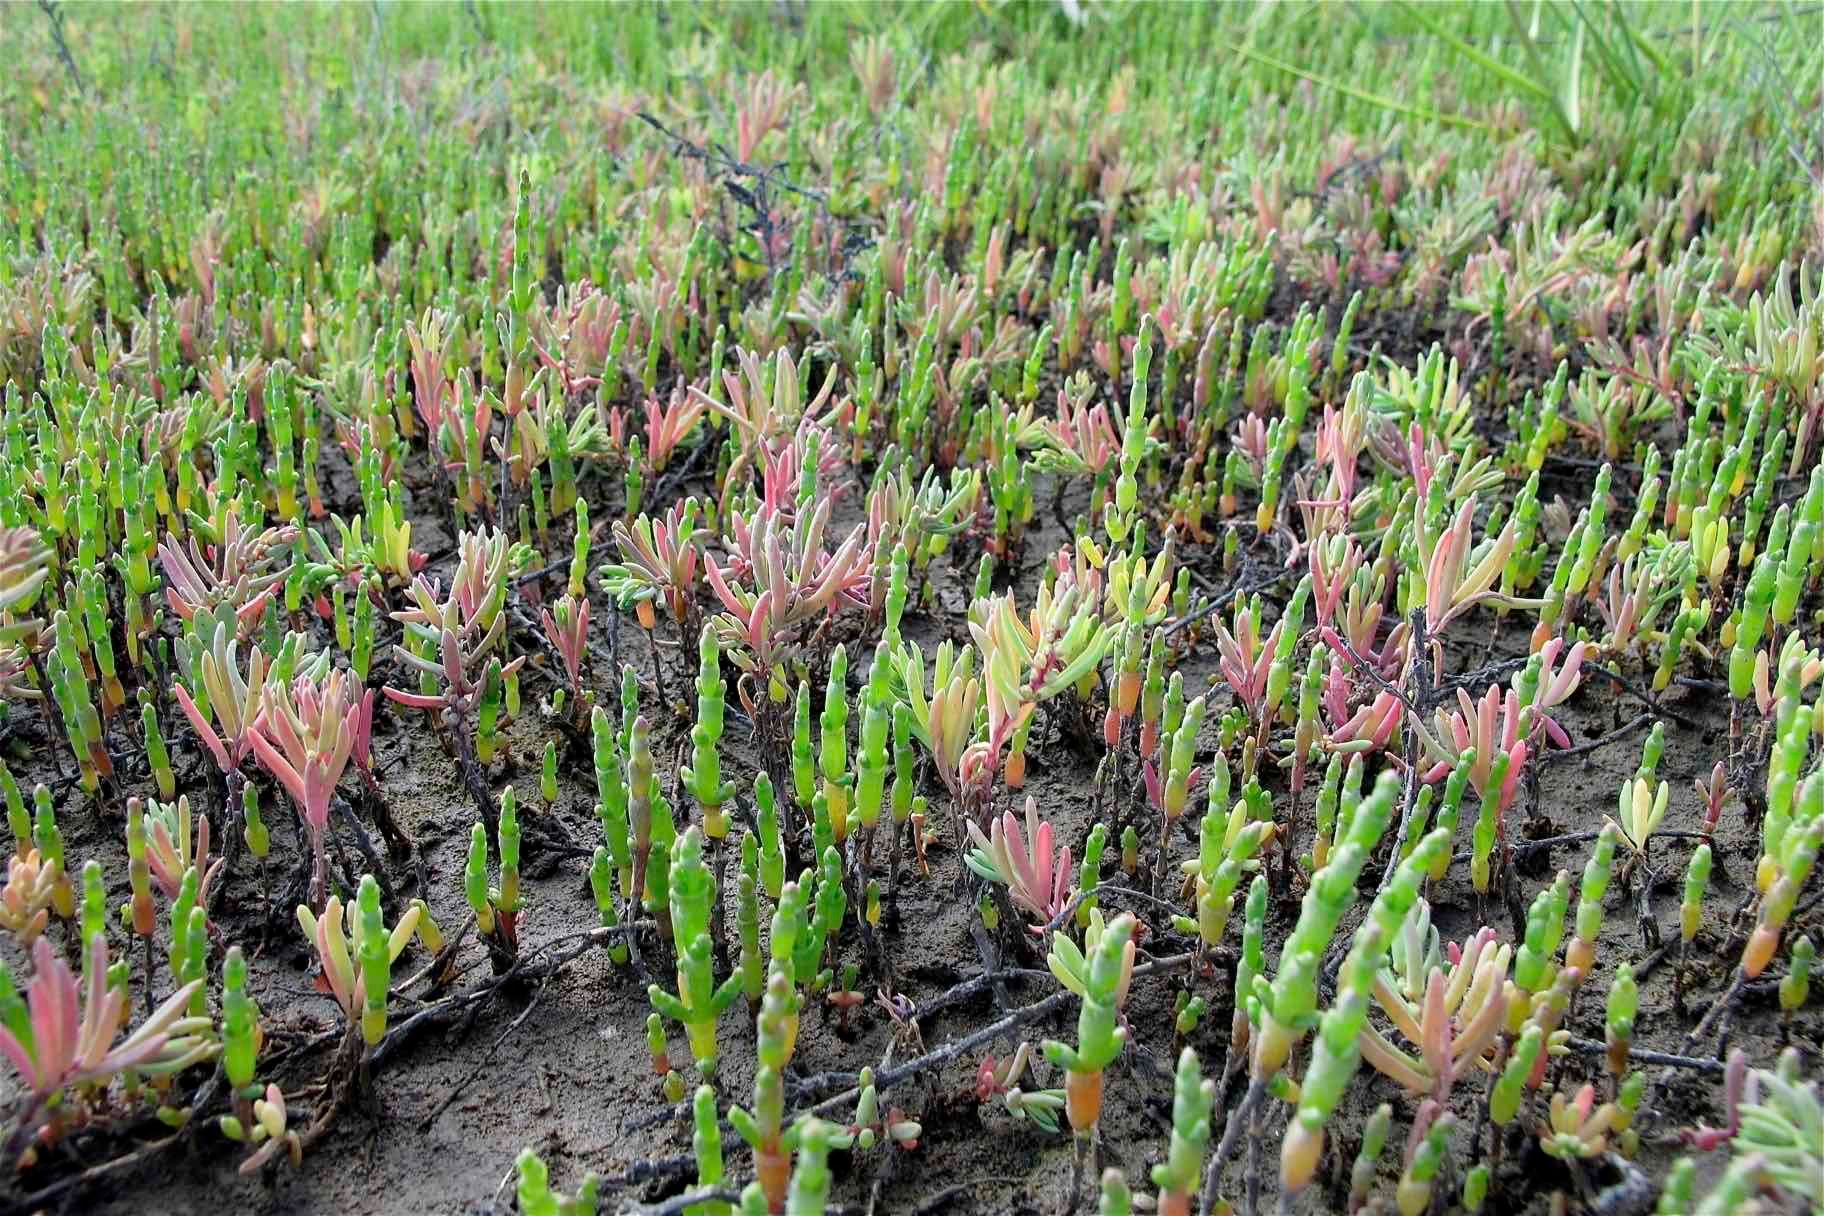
<point x="888" y="1078"/>
<point x="1635" y="691"/>
<point x="1212" y="607"/>
<point x="1231" y="1133"/>
<point x="37" y="1200"/>
<point x="1418" y="704"/>
<point x="1110" y="889"/>
<point x="1640" y="1055"/>
<point x="424" y="1125"/>
<point x="689" y="1200"/>
<point x="1615" y="736"/>
<point x="536" y="965"/>
<point x="439" y="961"/>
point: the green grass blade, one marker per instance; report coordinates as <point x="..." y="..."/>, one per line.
<point x="1476" y="55"/>
<point x="1635" y="46"/>
<point x="1623" y="76"/>
<point x="1373" y="99"/>
<point x="1531" y="45"/>
<point x="1573" y="85"/>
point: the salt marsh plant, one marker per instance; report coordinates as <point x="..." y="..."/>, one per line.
<point x="1147" y="554"/>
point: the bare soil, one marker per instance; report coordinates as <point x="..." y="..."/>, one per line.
<point x="561" y="1065"/>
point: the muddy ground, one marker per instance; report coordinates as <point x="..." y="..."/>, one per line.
<point x="561" y="1065"/>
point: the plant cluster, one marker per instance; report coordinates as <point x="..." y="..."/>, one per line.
<point x="1073" y="490"/>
